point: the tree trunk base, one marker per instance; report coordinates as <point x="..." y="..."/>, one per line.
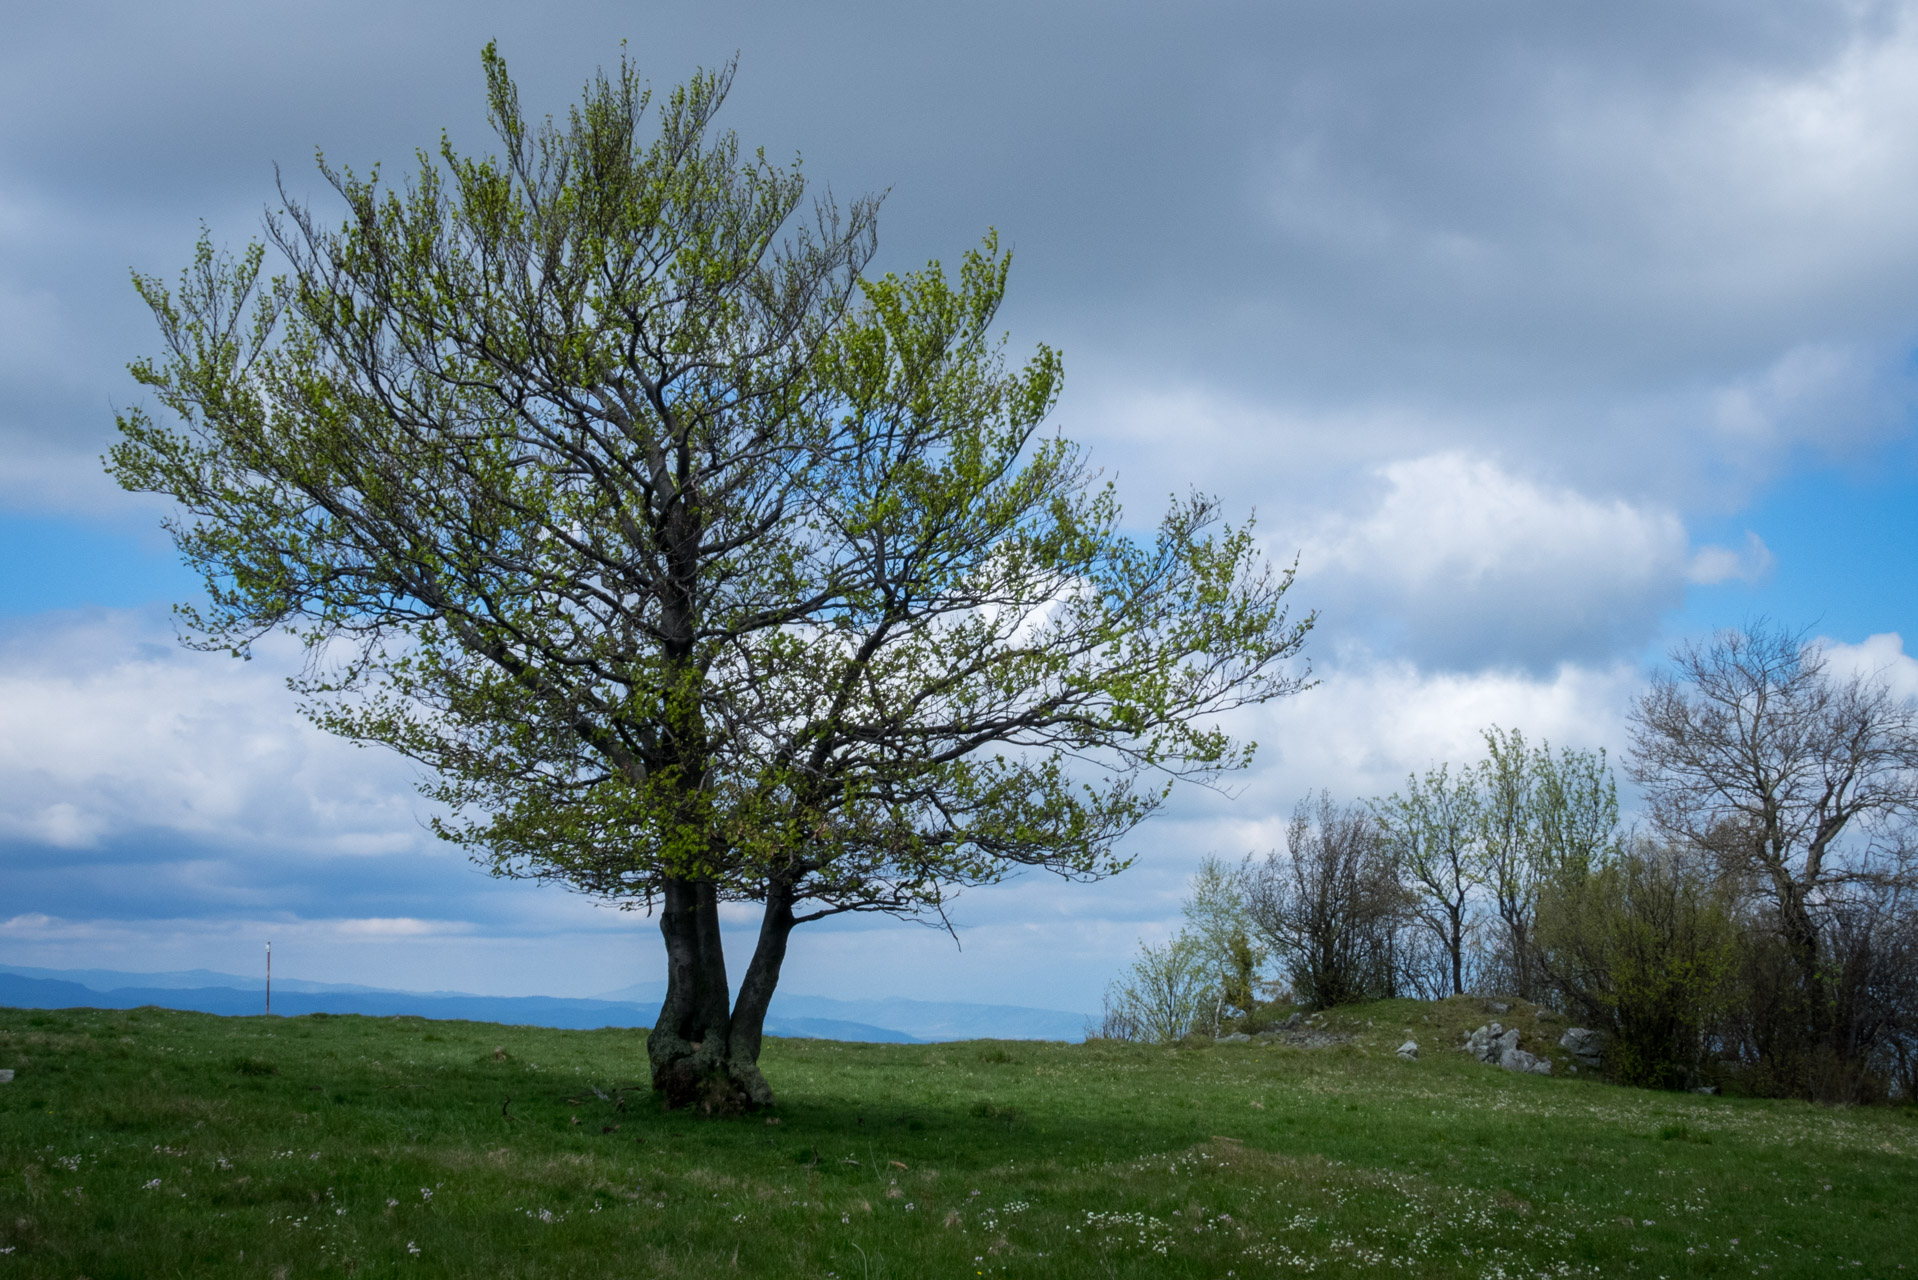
<point x="703" y="1055"/>
<point x="691" y="1079"/>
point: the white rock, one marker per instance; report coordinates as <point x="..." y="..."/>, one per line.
<point x="6" y="1076"/>
<point x="1409" y="1051"/>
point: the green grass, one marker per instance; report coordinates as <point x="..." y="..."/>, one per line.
<point x="152" y="1143"/>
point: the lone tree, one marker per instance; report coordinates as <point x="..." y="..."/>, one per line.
<point x="698" y="568"/>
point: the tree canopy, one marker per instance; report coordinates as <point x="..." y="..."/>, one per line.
<point x="697" y="565"/>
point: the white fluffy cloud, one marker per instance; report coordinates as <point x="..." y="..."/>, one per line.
<point x="1879" y="657"/>
<point x="1455" y="561"/>
<point x="108" y="729"/>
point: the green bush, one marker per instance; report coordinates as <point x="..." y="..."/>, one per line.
<point x="1644" y="948"/>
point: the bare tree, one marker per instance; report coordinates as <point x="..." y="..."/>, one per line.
<point x="1799" y="781"/>
<point x="1332" y="906"/>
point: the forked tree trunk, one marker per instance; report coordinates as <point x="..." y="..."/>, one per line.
<point x="704" y="1054"/>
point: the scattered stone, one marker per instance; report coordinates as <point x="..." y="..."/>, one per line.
<point x="1497" y="1006"/>
<point x="1292" y="1022"/>
<point x="1237" y="1037"/>
<point x="1707" y="1089"/>
<point x="1585" y="1044"/>
<point x="6" y="1076"/>
<point x="1409" y="1051"/>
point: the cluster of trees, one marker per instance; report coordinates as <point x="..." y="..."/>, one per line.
<point x="695" y="564"/>
<point x="1763" y="925"/>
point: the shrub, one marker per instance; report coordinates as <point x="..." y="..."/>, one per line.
<point x="1168" y="993"/>
<point x="1644" y="949"/>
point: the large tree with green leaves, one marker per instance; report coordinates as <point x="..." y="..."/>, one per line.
<point x="698" y="567"/>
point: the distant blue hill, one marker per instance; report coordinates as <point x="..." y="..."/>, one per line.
<point x="929" y="1020"/>
<point x="111" y="979"/>
<point x="894" y="1021"/>
<point x="541" y="1011"/>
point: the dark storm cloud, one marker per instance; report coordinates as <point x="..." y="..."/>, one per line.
<point x="1637" y="253"/>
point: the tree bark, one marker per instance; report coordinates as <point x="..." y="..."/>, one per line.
<point x="688" y="1047"/>
<point x="756" y="993"/>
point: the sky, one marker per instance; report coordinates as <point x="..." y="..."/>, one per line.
<point x="1543" y="337"/>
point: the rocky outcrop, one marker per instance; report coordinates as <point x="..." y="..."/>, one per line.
<point x="1519" y="1060"/>
<point x="1496" y="1046"/>
<point x="1489" y="1043"/>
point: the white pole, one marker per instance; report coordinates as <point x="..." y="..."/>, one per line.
<point x="269" y="979"/>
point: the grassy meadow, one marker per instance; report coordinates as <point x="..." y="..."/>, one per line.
<point x="152" y="1143"/>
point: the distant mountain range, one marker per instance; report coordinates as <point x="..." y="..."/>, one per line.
<point x="896" y="1021"/>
